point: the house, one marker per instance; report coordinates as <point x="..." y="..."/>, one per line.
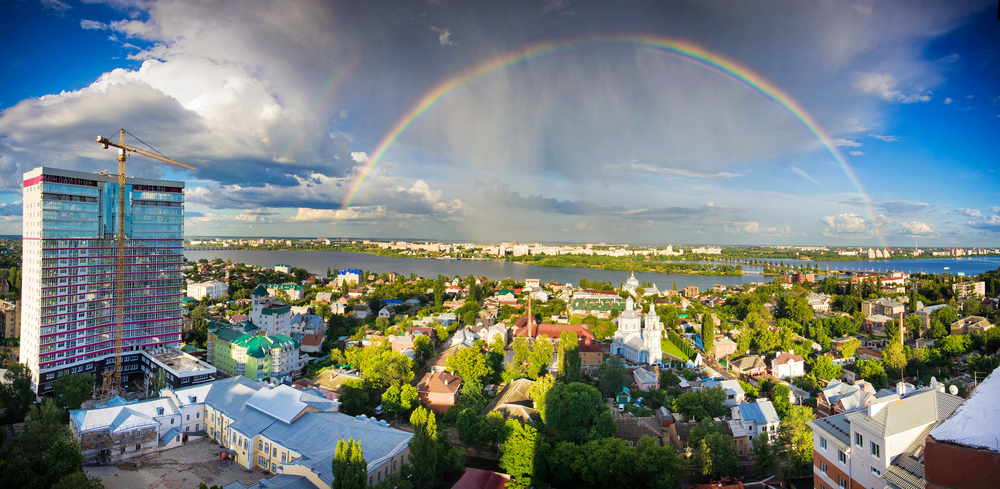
<point x="925" y="313"/>
<point x="963" y="452"/>
<point x="307" y="324"/>
<point x="438" y="391"/>
<point x="883" y="306"/>
<point x="733" y="389"/>
<point x="881" y="444"/>
<point x="534" y="283"/>
<point x="750" y="366"/>
<point x="387" y="312"/>
<point x="350" y="277"/>
<point x="864" y="353"/>
<point x="513" y="401"/>
<point x="740" y="435"/>
<point x="212" y="289"/>
<point x="788" y="365"/>
<point x="361" y="311"/>
<point x="312" y="343"/>
<point x="282" y="429"/>
<point x="624" y="396"/>
<point x="463" y="338"/>
<point x="507" y="297"/>
<point x="324" y="297"/>
<point x="691" y="291"/>
<point x="591" y="353"/>
<point x="337" y="307"/>
<point x="970" y="324"/>
<point x="759" y="418"/>
<point x="355" y="293"/>
<point x="121" y="430"/>
<point x="819" y="302"/>
<point x="839" y="397"/>
<point x="723" y="347"/>
<point x="632" y="429"/>
<point x="645" y="380"/>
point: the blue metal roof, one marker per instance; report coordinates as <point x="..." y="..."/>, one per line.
<point x="761" y="412"/>
<point x="169" y="435"/>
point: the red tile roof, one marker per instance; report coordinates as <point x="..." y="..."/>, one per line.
<point x="786" y="357"/>
<point x="481" y="479"/>
<point x="312" y="340"/>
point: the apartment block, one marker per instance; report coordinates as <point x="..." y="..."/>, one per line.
<point x="10" y="319"/>
<point x="68" y="305"/>
<point x="212" y="289"/>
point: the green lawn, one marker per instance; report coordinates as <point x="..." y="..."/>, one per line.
<point x="669" y="348"/>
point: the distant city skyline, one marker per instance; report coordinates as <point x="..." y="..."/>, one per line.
<point x="851" y="124"/>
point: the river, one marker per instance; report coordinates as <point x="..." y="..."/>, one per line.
<point x="318" y="261"/>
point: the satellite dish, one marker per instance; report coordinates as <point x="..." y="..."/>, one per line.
<point x="934" y="383"/>
<point x="953" y="389"/>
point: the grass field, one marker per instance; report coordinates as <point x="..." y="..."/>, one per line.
<point x="670" y="348"/>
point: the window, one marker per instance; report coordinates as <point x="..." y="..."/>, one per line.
<point x="822" y="466"/>
<point x="859" y="440"/>
<point x="267" y="447"/>
<point x="822" y="443"/>
<point x="841" y="482"/>
<point x="189" y="417"/>
<point x="138" y="447"/>
<point x="282" y="458"/>
<point x="123" y="449"/>
<point x="274" y="467"/>
<point x="197" y="415"/>
<point x="393" y="465"/>
<point x="213" y="417"/>
<point x="260" y="444"/>
<point x="196" y="426"/>
<point x="876" y="472"/>
<point x="261" y="461"/>
<point x="842" y="457"/>
<point x="380" y="476"/>
<point x="171" y="420"/>
<point x="876" y="450"/>
<point x="275" y="451"/>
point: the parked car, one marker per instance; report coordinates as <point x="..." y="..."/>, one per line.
<point x="378" y="410"/>
<point x="621" y="408"/>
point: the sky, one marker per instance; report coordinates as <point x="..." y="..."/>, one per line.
<point x="841" y="123"/>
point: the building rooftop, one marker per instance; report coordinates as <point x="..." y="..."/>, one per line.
<point x="975" y="424"/>
<point x="180" y="362"/>
<point x="513" y="401"/>
<point x="761" y="412"/>
<point x="920" y="408"/>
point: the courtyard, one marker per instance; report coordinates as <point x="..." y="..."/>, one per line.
<point x="183" y="467"/>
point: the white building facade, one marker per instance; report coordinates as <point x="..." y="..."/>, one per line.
<point x="635" y="342"/>
<point x="213" y="289"/>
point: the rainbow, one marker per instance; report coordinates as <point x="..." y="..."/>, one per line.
<point x="680" y="49"/>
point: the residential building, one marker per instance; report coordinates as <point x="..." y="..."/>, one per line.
<point x="387" y="312"/>
<point x="350" y="277"/>
<point x="361" y="311"/>
<point x="283" y="268"/>
<point x="963" y="452"/>
<point x="438" y="390"/>
<point x="591" y="353"/>
<point x="878" y="445"/>
<point x="513" y="401"/>
<point x="733" y="389"/>
<point x="759" y="418"/>
<point x="723" y="347"/>
<point x="10" y="319"/>
<point x="268" y="314"/>
<point x="645" y="380"/>
<point x="819" y="302"/>
<point x="245" y="350"/>
<point x="312" y="343"/>
<point x="840" y="397"/>
<point x="307" y="324"/>
<point x="635" y="342"/>
<point x="883" y="306"/>
<point x="970" y="324"/>
<point x="294" y="291"/>
<point x="750" y="365"/>
<point x="788" y="365"/>
<point x="213" y="289"/>
<point x="285" y="430"/>
<point x="925" y="313"/>
<point x="969" y="289"/>
<point x="632" y="429"/>
<point x="691" y="291"/>
<point x="120" y="430"/>
<point x="69" y="286"/>
<point x="741" y="437"/>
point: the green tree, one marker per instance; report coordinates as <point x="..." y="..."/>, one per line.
<point x="607" y="462"/>
<point x="569" y="357"/>
<point x="779" y="398"/>
<point x="71" y="390"/>
<point x="669" y="379"/>
<point x="353" y="397"/>
<point x="381" y="366"/>
<point x="706" y="403"/>
<point x="850" y="347"/>
<point x="764" y="455"/>
<point x="953" y="344"/>
<point x="824" y="368"/>
<point x="614" y="375"/>
<point x="470" y="364"/>
<point x="708" y="332"/>
<point x="894" y="356"/>
<point x="468" y="427"/>
<point x="539" y="390"/>
<point x="400" y="399"/>
<point x="79" y="480"/>
<point x="43" y="452"/>
<point x="350" y="471"/>
<point x="716" y="456"/>
<point x="577" y="412"/>
<point x="540" y="357"/>
<point x="16" y="395"/>
<point x="519" y="455"/>
<point x="872" y="371"/>
<point x="797" y="439"/>
<point x="423" y="448"/>
<point x="560" y="464"/>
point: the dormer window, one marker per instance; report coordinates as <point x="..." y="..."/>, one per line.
<point x="159" y="411"/>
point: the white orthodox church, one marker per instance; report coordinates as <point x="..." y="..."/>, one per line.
<point x="635" y="342"/>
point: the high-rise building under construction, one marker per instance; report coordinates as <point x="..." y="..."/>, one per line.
<point x="69" y="314"/>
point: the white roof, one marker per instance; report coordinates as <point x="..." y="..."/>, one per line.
<point x="281" y="402"/>
<point x="974" y="424"/>
<point x="122" y="417"/>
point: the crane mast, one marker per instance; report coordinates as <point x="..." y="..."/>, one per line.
<point x="112" y="380"/>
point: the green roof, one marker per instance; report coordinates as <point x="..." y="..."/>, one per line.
<point x="261" y="346"/>
<point x="231" y="335"/>
<point x="285" y="286"/>
<point x="507" y="291"/>
<point x="259" y="291"/>
<point x="269" y="311"/>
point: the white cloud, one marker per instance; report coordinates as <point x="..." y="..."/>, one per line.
<point x="916" y="227"/>
<point x="951" y="58"/>
<point x="995" y="208"/>
<point x="856" y="153"/>
<point x="969" y="212"/>
<point x="948" y="101"/>
<point x="93" y="25"/>
<point x="802" y="173"/>
<point x="742" y="227"/>
<point x="849" y="143"/>
<point x="847" y="223"/>
<point x="55" y="5"/>
<point x="444" y="36"/>
<point x="375" y="213"/>
<point x="888" y="139"/>
<point x="884" y="85"/>
<point x="970" y="96"/>
<point x="359" y="156"/>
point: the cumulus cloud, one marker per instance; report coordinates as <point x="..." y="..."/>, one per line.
<point x="856" y="153"/>
<point x="995" y="208"/>
<point x="444" y="36"/>
<point x="376" y="213"/>
<point x="359" y="156"/>
<point x="968" y="211"/>
<point x="948" y="101"/>
<point x="742" y="227"/>
<point x="916" y="228"/>
<point x="11" y="209"/>
<point x="93" y="25"/>
<point x="884" y="85"/>
<point x="847" y="223"/>
<point x="895" y="207"/>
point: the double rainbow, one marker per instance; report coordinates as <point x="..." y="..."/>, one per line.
<point x="680" y="49"/>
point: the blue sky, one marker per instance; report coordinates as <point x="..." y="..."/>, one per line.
<point x="279" y="105"/>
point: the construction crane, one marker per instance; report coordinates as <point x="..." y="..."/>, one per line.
<point x="112" y="381"/>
